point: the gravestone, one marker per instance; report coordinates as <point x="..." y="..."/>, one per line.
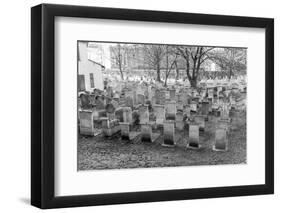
<point x="143" y="114"/>
<point x="85" y="101"/>
<point x="205" y="108"/>
<point x="125" y="130"/>
<point x="184" y="98"/>
<point x="193" y="107"/>
<point x="127" y="114"/>
<point x="223" y="124"/>
<point x="124" y="114"/>
<point x="221" y="141"/>
<point x="146" y="133"/>
<point x="126" y="133"/>
<point x="129" y="102"/>
<point x="159" y="111"/>
<point x="150" y="93"/>
<point x="224" y="111"/>
<point x="200" y="120"/>
<point x="141" y="99"/>
<point x="160" y="97"/>
<point x="109" y="92"/>
<point x="129" y="97"/>
<point x="179" y="120"/>
<point x="86" y="125"/>
<point x="187" y="110"/>
<point x="172" y="94"/>
<point x="135" y="97"/>
<point x="169" y="133"/>
<point x="193" y="136"/>
<point x="211" y="93"/>
<point x="180" y="106"/>
<point x="157" y="96"/>
<point x="109" y="127"/>
<point x="170" y="111"/>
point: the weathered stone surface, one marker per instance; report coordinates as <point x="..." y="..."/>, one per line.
<point x="170" y="111"/>
<point x="193" y="136"/>
<point x="221" y="140"/>
<point x="200" y="120"/>
<point x="179" y="121"/>
<point x="172" y="94"/>
<point x="169" y="133"/>
<point x="159" y="111"/>
<point x="144" y="114"/>
<point x="86" y="122"/>
<point x="205" y="108"/>
<point x="146" y="132"/>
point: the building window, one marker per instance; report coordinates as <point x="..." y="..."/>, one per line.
<point x="92" y="80"/>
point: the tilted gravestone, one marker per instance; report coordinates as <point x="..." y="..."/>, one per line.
<point x="85" y="101"/>
<point x="109" y="127"/>
<point x="127" y="133"/>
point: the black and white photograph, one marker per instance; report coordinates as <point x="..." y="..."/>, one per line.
<point x="143" y="105"/>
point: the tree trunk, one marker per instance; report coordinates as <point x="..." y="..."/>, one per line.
<point x="177" y="70"/>
<point x="121" y="72"/>
<point x="230" y="73"/>
<point x="165" y="84"/>
<point x="193" y="82"/>
<point x="187" y="69"/>
<point x="158" y="72"/>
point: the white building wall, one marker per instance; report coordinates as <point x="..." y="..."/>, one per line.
<point x="85" y="67"/>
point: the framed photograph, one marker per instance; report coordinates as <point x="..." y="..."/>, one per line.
<point x="136" y="106"/>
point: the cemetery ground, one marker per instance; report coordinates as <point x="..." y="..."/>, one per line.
<point x="114" y="153"/>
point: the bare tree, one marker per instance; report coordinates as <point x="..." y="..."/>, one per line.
<point x="230" y="60"/>
<point x="194" y="57"/>
<point x="119" y="57"/>
<point x="171" y="61"/>
<point x="153" y="56"/>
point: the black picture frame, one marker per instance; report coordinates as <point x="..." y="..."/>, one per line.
<point x="43" y="105"/>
